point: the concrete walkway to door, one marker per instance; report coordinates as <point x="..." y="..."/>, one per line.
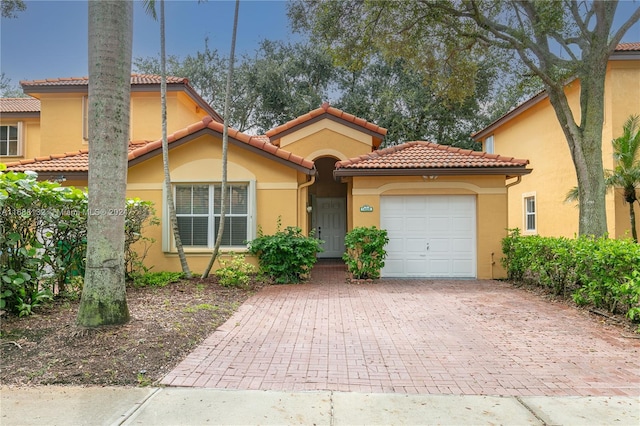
<point x="462" y="337"/>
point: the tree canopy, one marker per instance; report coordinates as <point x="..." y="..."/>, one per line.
<point x="449" y="39"/>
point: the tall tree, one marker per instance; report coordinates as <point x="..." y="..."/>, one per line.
<point x="169" y="200"/>
<point x="626" y="174"/>
<point x="225" y="145"/>
<point x="554" y="40"/>
<point x="104" y="299"/>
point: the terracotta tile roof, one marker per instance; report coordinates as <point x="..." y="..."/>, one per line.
<point x="139" y="82"/>
<point x="19" y="105"/>
<point x="428" y="155"/>
<point x="74" y="161"/>
<point x="260" y="143"/>
<point x="136" y="79"/>
<point x="628" y="47"/>
<point x="328" y="110"/>
<point x="78" y="161"/>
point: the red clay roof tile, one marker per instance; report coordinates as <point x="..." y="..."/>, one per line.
<point x="326" y="109"/>
<point x="427" y="155"/>
<point x="79" y="161"/>
<point x="19" y="105"/>
<point x="138" y="79"/>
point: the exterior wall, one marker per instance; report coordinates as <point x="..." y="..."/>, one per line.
<point x="199" y="161"/>
<point x="146" y="123"/>
<point x="536" y="135"/>
<point x="61" y="120"/>
<point x="327" y="138"/>
<point x="60" y="128"/>
<point x="491" y="208"/>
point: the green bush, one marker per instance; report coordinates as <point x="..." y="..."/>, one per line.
<point x="365" y="252"/>
<point x="287" y="256"/>
<point x="600" y="272"/>
<point x="235" y="272"/>
<point x="43" y="230"/>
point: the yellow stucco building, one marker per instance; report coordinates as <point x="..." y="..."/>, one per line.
<point x="532" y="131"/>
<point x="445" y="209"/>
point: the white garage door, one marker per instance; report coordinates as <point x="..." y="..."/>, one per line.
<point x="429" y="235"/>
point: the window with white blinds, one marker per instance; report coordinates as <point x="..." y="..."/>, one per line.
<point x="530" y="213"/>
<point x="198" y="209"/>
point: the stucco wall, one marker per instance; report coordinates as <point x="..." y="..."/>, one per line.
<point x="536" y="135"/>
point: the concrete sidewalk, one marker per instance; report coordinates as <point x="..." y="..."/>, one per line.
<point x="192" y="406"/>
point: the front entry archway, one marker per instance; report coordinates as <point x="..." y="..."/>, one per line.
<point x="329" y="212"/>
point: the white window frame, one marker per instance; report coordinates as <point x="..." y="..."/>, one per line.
<point x="489" y="146"/>
<point x="20" y="139"/>
<point x="168" y="242"/>
<point x="85" y="119"/>
<point x="527" y="214"/>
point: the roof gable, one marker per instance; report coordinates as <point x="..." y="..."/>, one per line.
<point x="419" y="157"/>
<point x="327" y="112"/>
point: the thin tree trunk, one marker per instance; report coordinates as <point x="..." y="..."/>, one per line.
<point x="104" y="299"/>
<point x="173" y="220"/>
<point x="225" y="144"/>
<point x="632" y="217"/>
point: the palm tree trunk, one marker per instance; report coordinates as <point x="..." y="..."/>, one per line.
<point x="173" y="220"/>
<point x="225" y="145"/>
<point x="632" y="217"/>
<point x="104" y="299"/>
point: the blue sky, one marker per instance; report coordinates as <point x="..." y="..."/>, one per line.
<point x="49" y="39"/>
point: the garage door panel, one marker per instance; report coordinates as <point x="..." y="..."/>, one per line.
<point x="462" y="245"/>
<point x="415" y="224"/>
<point x="430" y="236"/>
<point x="395" y="246"/>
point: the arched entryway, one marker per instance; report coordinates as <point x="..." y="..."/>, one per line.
<point x="328" y="199"/>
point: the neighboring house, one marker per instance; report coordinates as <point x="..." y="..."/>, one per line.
<point x="445" y="209"/>
<point x="536" y="205"/>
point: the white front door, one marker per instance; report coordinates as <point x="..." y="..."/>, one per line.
<point x="331" y="225"/>
<point x="429" y="235"/>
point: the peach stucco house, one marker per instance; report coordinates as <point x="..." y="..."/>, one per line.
<point x="445" y="209"/>
<point x="536" y="205"/>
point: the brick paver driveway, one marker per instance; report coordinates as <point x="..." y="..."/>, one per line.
<point x="412" y="336"/>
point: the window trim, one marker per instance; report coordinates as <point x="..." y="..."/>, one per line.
<point x="526" y="214"/>
<point x="20" y="139"/>
<point x="489" y="145"/>
<point x="168" y="242"/>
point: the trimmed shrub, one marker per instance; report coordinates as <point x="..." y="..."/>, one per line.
<point x="287" y="256"/>
<point x="235" y="272"/>
<point x="365" y="252"/>
<point x="600" y="272"/>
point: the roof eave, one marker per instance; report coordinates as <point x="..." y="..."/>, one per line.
<point x="326" y="115"/>
<point x="233" y="141"/>
<point x="17" y="114"/>
<point x="435" y="171"/>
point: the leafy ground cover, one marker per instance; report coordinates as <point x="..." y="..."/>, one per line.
<point x="167" y="323"/>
